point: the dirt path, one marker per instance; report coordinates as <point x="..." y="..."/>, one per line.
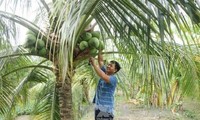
<point x="130" y="111"/>
<point x="127" y="111"/>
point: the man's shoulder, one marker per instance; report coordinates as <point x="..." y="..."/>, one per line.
<point x="113" y="80"/>
<point x="113" y="77"/>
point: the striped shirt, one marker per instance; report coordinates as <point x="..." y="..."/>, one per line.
<point x="104" y="96"/>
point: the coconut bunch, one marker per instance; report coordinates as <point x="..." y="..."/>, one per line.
<point x="37" y="46"/>
<point x="88" y="44"/>
<point x="91" y="41"/>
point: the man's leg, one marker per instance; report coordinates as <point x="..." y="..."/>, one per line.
<point x="96" y="114"/>
<point x="100" y="115"/>
<point x="111" y="116"/>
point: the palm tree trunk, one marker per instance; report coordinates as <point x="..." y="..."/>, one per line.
<point x="65" y="98"/>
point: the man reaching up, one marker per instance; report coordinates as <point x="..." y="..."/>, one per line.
<point x="104" y="96"/>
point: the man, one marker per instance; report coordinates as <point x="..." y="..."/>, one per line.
<point x="104" y="96"/>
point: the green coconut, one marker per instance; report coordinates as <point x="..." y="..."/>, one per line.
<point x="94" y="42"/>
<point x="96" y="34"/>
<point x="83" y="45"/>
<point x="87" y="36"/>
<point x="93" y="51"/>
<point x="42" y="52"/>
<point x="31" y="39"/>
<point x="33" y="50"/>
<point x="80" y="39"/>
<point x="40" y="44"/>
<point x="101" y="45"/>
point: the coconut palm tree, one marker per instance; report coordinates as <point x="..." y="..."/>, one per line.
<point x="143" y="32"/>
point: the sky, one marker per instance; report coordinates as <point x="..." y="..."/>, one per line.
<point x="20" y="11"/>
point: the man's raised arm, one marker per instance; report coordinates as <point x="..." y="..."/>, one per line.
<point x="100" y="59"/>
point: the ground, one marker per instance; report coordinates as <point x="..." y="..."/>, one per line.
<point x="130" y="110"/>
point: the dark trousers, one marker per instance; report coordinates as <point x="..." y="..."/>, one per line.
<point x="100" y="115"/>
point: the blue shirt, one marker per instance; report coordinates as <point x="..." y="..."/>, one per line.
<point x="104" y="96"/>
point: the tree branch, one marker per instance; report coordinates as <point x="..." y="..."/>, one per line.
<point x="46" y="6"/>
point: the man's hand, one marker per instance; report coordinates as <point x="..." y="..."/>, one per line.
<point x="99" y="72"/>
<point x="91" y="60"/>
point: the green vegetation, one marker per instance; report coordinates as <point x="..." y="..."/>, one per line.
<point x="42" y="52"/>
<point x="93" y="51"/>
<point x="31" y="39"/>
<point x="83" y="45"/>
<point x="156" y="43"/>
<point x="93" y="42"/>
<point x="96" y="34"/>
<point x="87" y="36"/>
<point x="40" y="44"/>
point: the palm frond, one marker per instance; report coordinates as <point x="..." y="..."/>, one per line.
<point x="46" y="105"/>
